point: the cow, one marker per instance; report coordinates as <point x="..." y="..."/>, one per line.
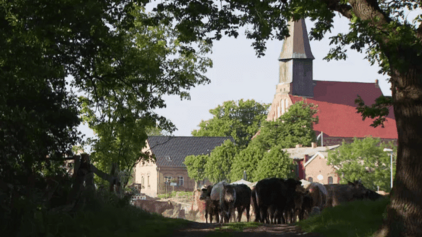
<point x="294" y="204"/>
<point x="319" y="194"/>
<point x="271" y="197"/>
<point x="372" y="195"/>
<point x="243" y="200"/>
<point x="342" y="193"/>
<point x="225" y="194"/>
<point x="307" y="205"/>
<point x="211" y="207"/>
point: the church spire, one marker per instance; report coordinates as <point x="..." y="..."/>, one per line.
<point x="296" y="62"/>
<point x="297" y="45"/>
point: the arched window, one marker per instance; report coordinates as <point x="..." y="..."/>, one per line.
<point x="310" y="179"/>
<point x="330" y="180"/>
<point x="142" y="180"/>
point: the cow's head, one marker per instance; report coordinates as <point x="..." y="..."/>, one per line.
<point x="229" y="193"/>
<point x="205" y="192"/>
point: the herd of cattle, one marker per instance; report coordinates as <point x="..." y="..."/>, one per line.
<point x="276" y="200"/>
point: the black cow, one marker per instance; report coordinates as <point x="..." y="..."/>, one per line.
<point x="307" y="205"/>
<point x="243" y="200"/>
<point x="272" y="197"/>
<point x="211" y="207"/>
<point x="225" y="194"/>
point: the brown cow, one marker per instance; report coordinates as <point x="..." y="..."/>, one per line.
<point x="342" y="193"/>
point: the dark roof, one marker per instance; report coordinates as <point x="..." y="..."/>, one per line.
<point x="297" y="44"/>
<point x="337" y="110"/>
<point x="177" y="148"/>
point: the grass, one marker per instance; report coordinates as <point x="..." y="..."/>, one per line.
<point x="355" y="219"/>
<point x="99" y="219"/>
<point x="175" y="194"/>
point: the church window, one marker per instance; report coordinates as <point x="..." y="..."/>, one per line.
<point x="282" y="106"/>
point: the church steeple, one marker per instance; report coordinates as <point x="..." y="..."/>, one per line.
<point x="296" y="62"/>
<point x="297" y="45"/>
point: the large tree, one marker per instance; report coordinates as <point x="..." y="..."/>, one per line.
<point x="364" y="159"/>
<point x="122" y="122"/>
<point x="238" y="119"/>
<point x="293" y="127"/>
<point x="380" y="28"/>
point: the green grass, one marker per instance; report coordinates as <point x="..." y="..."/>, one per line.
<point x="175" y="194"/>
<point x="99" y="219"/>
<point x="355" y="219"/>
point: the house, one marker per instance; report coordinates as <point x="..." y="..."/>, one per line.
<point x="338" y="117"/>
<point x="168" y="172"/>
<point x="311" y="163"/>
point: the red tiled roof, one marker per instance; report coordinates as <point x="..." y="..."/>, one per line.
<point x="337" y="110"/>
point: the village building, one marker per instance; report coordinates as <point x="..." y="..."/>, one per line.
<point x="337" y="114"/>
<point x="168" y="173"/>
<point x="338" y="117"/>
<point x="311" y="163"/>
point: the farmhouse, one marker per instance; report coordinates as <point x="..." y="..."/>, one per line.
<point x="170" y="152"/>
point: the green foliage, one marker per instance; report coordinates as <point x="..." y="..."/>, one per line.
<point x="220" y="162"/>
<point x="274" y="164"/>
<point x="293" y="127"/>
<point x="154" y="63"/>
<point x="364" y="159"/>
<point x="240" y="120"/>
<point x="196" y="166"/>
<point x="246" y="160"/>
<point x="363" y="219"/>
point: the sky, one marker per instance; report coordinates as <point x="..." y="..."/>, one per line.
<point x="237" y="74"/>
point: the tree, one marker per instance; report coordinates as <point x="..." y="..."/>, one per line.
<point x="220" y="161"/>
<point x="121" y="122"/>
<point x="379" y="27"/>
<point x="293" y="127"/>
<point x="240" y="120"/>
<point x="363" y="159"/>
<point x="246" y="160"/>
<point x="196" y="167"/>
<point x="275" y="164"/>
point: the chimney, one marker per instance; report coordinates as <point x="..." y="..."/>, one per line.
<point x="376" y="83"/>
<point x="306" y="158"/>
<point x="314" y="145"/>
<point x="298" y="145"/>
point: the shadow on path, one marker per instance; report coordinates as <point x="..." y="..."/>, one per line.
<point x="284" y="230"/>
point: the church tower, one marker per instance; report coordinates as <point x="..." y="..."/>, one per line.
<point x="296" y="62"/>
<point x="295" y="69"/>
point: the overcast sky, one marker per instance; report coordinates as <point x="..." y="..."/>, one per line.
<point x="237" y="74"/>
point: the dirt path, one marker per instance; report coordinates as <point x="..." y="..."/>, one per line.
<point x="283" y="230"/>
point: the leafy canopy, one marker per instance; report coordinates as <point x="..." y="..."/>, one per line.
<point x="220" y="162"/>
<point x="275" y="164"/>
<point x="196" y="166"/>
<point x="293" y="127"/>
<point x="364" y="159"/>
<point x="238" y="119"/>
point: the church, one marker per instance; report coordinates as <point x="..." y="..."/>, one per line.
<point x="338" y="117"/>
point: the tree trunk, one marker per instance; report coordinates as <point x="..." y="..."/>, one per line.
<point x="405" y="210"/>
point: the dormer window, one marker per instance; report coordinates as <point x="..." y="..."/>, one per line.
<point x="167" y="158"/>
